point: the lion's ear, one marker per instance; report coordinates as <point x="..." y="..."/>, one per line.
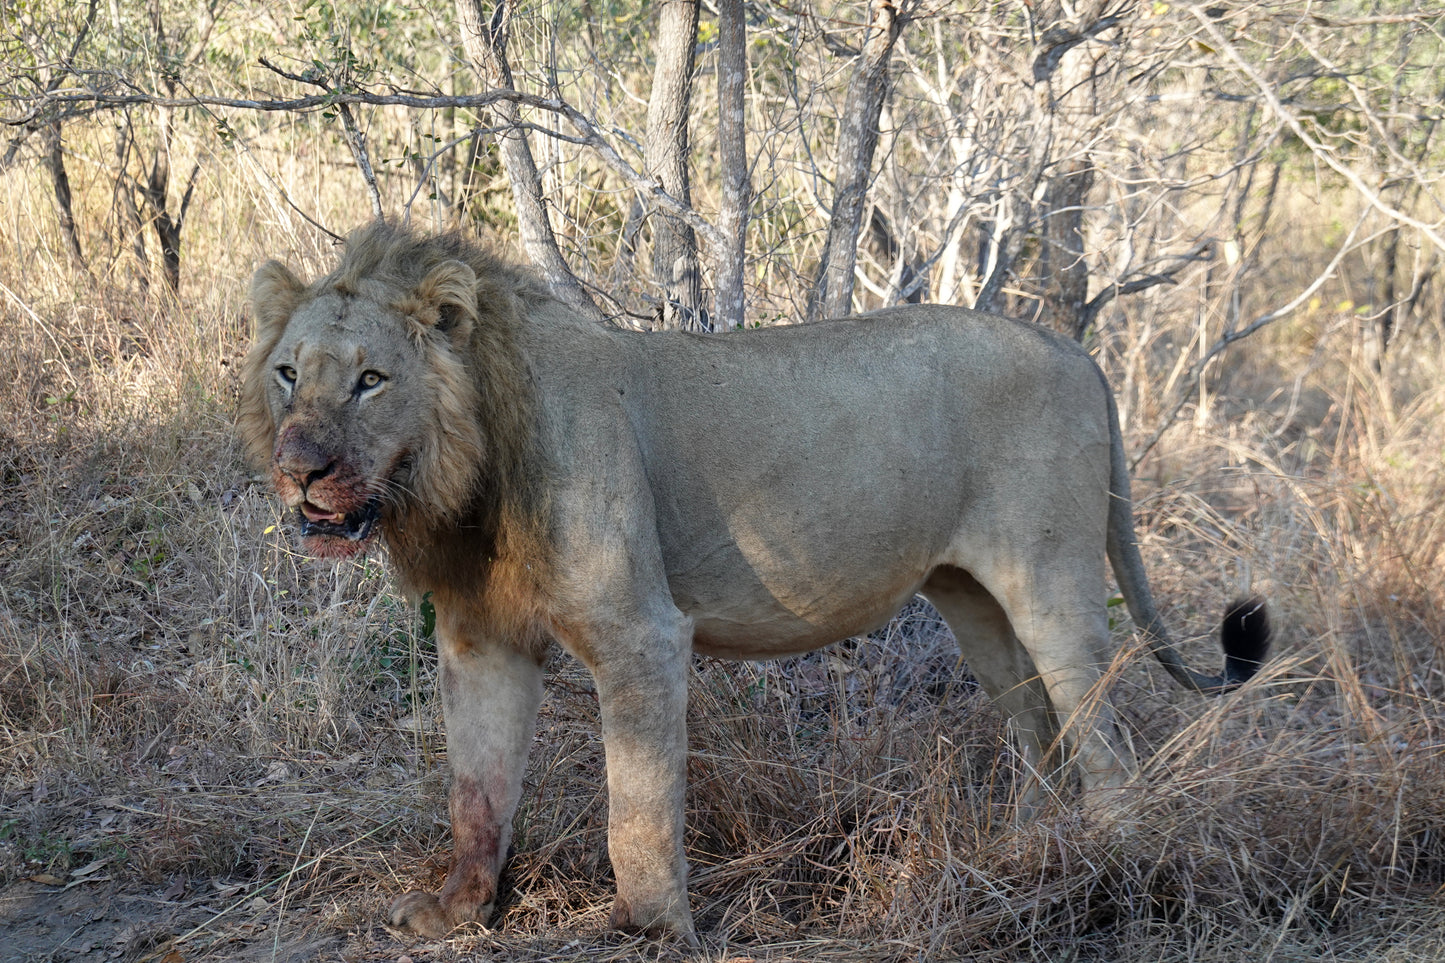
<point x="275" y="292"/>
<point x="451" y="289"/>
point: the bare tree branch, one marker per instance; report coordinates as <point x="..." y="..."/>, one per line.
<point x="591" y="137"/>
<point x="356" y="141"/>
<point x="1230" y="336"/>
<point x="355" y="137"/>
<point x="60" y="101"/>
<point x="485" y="41"/>
<point x="1144" y="282"/>
<point x="1329" y="157"/>
<point x="588" y="135"/>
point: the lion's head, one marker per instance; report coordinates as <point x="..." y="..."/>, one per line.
<point x="363" y="394"/>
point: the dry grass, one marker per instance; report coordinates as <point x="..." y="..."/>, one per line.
<point x="227" y="726"/>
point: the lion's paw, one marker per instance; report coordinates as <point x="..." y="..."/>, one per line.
<point x="672" y="921"/>
<point x="422" y="914"/>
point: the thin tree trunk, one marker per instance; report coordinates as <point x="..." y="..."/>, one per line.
<point x="732" y="148"/>
<point x="832" y="293"/>
<point x="674" y="245"/>
<point x="156" y="193"/>
<point x="131" y="219"/>
<point x="1066" y="272"/>
<point x="1061" y="63"/>
<point x="60" y="181"/>
<point x="55" y="149"/>
<point x="485" y="42"/>
<point x="998" y="249"/>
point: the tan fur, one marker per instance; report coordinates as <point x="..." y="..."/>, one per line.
<point x="637" y="498"/>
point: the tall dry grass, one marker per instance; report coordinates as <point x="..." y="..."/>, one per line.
<point x="187" y="700"/>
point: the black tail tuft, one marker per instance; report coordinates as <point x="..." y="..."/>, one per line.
<point x="1245" y="635"/>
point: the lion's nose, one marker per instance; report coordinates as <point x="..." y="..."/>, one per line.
<point x="303" y="462"/>
<point x="318" y="474"/>
<point x="304" y="478"/>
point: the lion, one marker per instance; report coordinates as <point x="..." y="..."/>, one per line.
<point x="638" y="497"/>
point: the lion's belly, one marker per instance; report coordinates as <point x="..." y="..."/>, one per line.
<point x="755" y="606"/>
<point x="800" y="545"/>
<point x="766" y="629"/>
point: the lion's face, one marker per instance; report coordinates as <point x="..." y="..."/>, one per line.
<point x="346" y="397"/>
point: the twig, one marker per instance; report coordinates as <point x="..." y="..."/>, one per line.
<point x="356" y="140"/>
<point x="355" y="136"/>
<point x="111" y="101"/>
<point x="1316" y="148"/>
<point x="1144" y="281"/>
<point x="592" y="137"/>
<point x="1197" y="370"/>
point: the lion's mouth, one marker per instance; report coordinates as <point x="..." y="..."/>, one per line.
<point x="353" y="526"/>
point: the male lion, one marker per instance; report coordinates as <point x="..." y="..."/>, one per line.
<point x="640" y="497"/>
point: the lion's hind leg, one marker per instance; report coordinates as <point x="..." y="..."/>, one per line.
<point x="1055" y="604"/>
<point x="1000" y="663"/>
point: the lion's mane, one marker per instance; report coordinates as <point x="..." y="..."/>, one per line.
<point x="474" y="479"/>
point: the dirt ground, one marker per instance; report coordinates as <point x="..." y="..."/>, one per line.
<point x="93" y="918"/>
<point x="96" y="919"/>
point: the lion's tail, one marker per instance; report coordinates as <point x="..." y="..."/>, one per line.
<point x="1245" y="630"/>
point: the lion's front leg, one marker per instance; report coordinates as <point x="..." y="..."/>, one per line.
<point x="644" y="733"/>
<point x="490" y="696"/>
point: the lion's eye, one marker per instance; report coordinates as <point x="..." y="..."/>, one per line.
<point x="369" y="380"/>
<point x="286" y="374"/>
